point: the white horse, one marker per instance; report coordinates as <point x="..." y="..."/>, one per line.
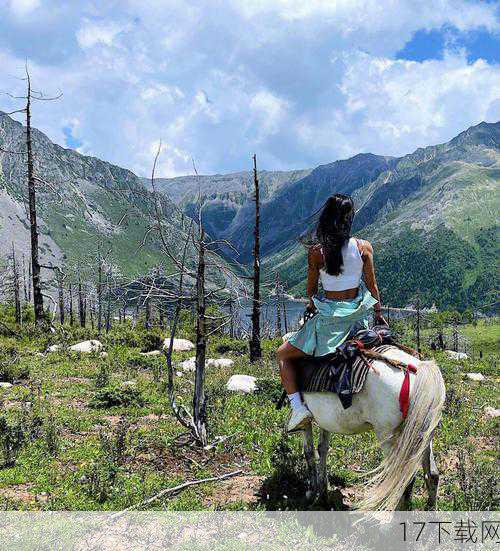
<point x="407" y="443"/>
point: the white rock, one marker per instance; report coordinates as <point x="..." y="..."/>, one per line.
<point x="456" y="355"/>
<point x="39" y="354"/>
<point x="242" y="383"/>
<point x="179" y="373"/>
<point x="5" y="385"/>
<point x="287" y="336"/>
<point x="103" y="354"/>
<point x="129" y="383"/>
<point x="87" y="346"/>
<point x="152" y="353"/>
<point x="54" y="348"/>
<point x="491" y="412"/>
<point x="180" y="345"/>
<point x="475" y="376"/>
<point x="219" y="362"/>
<point x="189" y="365"/>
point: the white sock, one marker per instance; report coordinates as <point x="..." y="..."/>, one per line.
<point x="295" y="400"/>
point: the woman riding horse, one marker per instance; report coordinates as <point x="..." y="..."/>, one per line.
<point x="338" y="261"/>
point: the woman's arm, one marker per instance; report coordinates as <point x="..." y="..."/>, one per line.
<point x="370" y="279"/>
<point x="312" y="274"/>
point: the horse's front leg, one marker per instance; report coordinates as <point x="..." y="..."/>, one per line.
<point x="310" y="455"/>
<point x="323" y="447"/>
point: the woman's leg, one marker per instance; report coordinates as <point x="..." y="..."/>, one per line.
<point x="288" y="355"/>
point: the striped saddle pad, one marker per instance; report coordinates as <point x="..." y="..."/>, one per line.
<point x="321" y="380"/>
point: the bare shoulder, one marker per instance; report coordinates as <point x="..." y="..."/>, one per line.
<point x="365" y="247"/>
<point x="314" y="255"/>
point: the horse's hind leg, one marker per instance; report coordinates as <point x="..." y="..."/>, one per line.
<point x="310" y="455"/>
<point x="405" y="501"/>
<point x="323" y="447"/>
<point x="431" y="476"/>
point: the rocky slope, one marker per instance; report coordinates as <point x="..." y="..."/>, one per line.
<point x="83" y="203"/>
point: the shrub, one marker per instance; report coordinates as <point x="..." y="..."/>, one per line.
<point x="12" y="438"/>
<point x="102" y="378"/>
<point x="116" y="397"/>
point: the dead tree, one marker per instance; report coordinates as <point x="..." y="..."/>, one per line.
<point x="15" y="287"/>
<point x="82" y="304"/>
<point x="278" y="305"/>
<point x="60" y="293"/>
<point x="30" y="96"/>
<point x="70" y="301"/>
<point x="255" y="346"/>
<point x="199" y="401"/>
<point x="99" y="290"/>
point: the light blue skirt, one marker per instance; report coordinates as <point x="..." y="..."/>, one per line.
<point x="335" y="321"/>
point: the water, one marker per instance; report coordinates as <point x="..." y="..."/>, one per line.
<point x="294" y="312"/>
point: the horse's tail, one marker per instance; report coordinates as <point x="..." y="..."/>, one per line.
<point x="388" y="481"/>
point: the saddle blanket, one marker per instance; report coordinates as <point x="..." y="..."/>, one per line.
<point x="344" y="378"/>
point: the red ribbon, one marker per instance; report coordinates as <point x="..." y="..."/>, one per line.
<point x="404" y="393"/>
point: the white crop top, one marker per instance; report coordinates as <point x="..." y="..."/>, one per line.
<point x="351" y="270"/>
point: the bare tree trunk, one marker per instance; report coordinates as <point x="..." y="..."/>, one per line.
<point x="61" y="295"/>
<point x="199" y="400"/>
<point x="25" y="283"/>
<point x="231" y="319"/>
<point x="283" y="302"/>
<point x="81" y="305"/>
<point x="278" y="306"/>
<point x="418" y="324"/>
<point x="71" y="312"/>
<point x="255" y="348"/>
<point x="35" y="263"/>
<point x="99" y="293"/>
<point x="108" y="310"/>
<point x="92" y="313"/>
<point x="147" y="308"/>
<point x="15" y="282"/>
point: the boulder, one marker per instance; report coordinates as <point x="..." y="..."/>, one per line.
<point x="189" y="365"/>
<point x="219" y="362"/>
<point x="5" y="385"/>
<point x="287" y="336"/>
<point x="491" y="412"/>
<point x="103" y="354"/>
<point x="475" y="376"/>
<point x="456" y="355"/>
<point x="87" y="347"/>
<point x="54" y="348"/>
<point x="152" y="353"/>
<point x="242" y="383"/>
<point x="180" y="345"/>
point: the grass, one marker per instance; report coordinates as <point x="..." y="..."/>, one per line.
<point x="93" y="433"/>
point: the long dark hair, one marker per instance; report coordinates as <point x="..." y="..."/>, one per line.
<point x="334" y="230"/>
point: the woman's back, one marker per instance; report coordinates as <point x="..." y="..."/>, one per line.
<point x="352" y="269"/>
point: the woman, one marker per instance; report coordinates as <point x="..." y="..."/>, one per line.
<point x="338" y="261"/>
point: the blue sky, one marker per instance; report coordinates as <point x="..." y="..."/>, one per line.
<point x="299" y="83"/>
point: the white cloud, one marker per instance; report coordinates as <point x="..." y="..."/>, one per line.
<point x="284" y="79"/>
<point x="168" y="93"/>
<point x="373" y="15"/>
<point x="23" y="7"/>
<point x="270" y="111"/>
<point x="393" y="106"/>
<point x="92" y="34"/>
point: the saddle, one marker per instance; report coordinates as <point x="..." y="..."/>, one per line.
<point x="344" y="372"/>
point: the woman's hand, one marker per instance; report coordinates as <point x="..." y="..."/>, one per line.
<point x="310" y="306"/>
<point x="379" y="319"/>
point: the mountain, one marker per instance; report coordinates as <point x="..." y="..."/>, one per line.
<point x="223" y="195"/>
<point x="84" y="204"/>
<point x="431" y="215"/>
